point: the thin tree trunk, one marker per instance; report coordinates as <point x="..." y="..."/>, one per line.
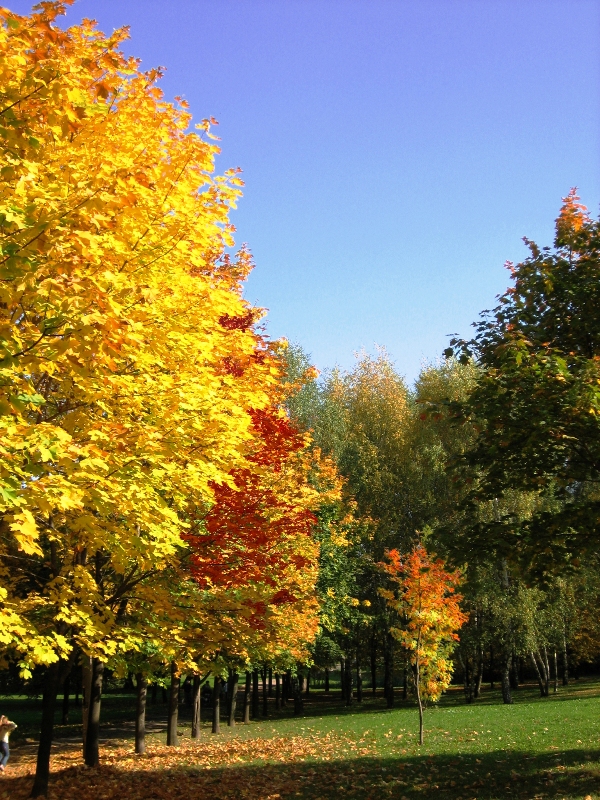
<point x="547" y="665"/>
<point x="349" y="682"/>
<point x="172" y="740"/>
<point x="418" y="690"/>
<point x="374" y="663"/>
<point x="544" y="674"/>
<point x="277" y="691"/>
<point x="233" y="690"/>
<point x="65" y="702"/>
<point x="326" y="680"/>
<point x="565" y="660"/>
<point x="479" y="679"/>
<point x="491" y="669"/>
<point x="389" y="669"/>
<point x="216" y="705"/>
<point x="92" y="741"/>
<point x="359" y="680"/>
<point x="255" y="698"/>
<point x="270" y="682"/>
<point x="265" y="698"/>
<point x="247" y="696"/>
<point x="196" y="707"/>
<point x="506" y="693"/>
<point x="537" y="672"/>
<point x="86" y="687"/>
<point x="308" y="683"/>
<point x="555" y="672"/>
<point x="42" y="770"/>
<point x="140" y="717"/>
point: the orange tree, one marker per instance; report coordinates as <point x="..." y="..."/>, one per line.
<point x="428" y="607"/>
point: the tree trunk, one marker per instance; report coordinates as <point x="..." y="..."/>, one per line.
<point x="418" y="690"/>
<point x="216" y="705"/>
<point x="92" y="741"/>
<point x="277" y="692"/>
<point x="547" y="665"/>
<point x="255" y="698"/>
<point x="506" y="693"/>
<point x="140" y="717"/>
<point x="270" y="682"/>
<point x="65" y="702"/>
<point x="359" y="681"/>
<point x="389" y="671"/>
<point x="537" y="672"/>
<point x="479" y="678"/>
<point x="247" y="696"/>
<point x="555" y="672"/>
<point x="154" y="693"/>
<point x="326" y="680"/>
<point x="544" y="674"/>
<point x="196" y="707"/>
<point x="565" y="660"/>
<point x="42" y="770"/>
<point x="349" y="692"/>
<point x="298" y="700"/>
<point x="86" y="687"/>
<point x="491" y="669"/>
<point x="172" y="740"/>
<point x="343" y="679"/>
<point x="514" y="673"/>
<point x="265" y="698"/>
<point x="233" y="690"/>
<point x="374" y="663"/>
<point x="308" y="683"/>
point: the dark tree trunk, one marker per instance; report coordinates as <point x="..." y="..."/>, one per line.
<point x="65" y="702"/>
<point x="216" y="705"/>
<point x="359" y="681"/>
<point x="374" y="663"/>
<point x="491" y="669"/>
<point x="326" y="680"/>
<point x="233" y="690"/>
<point x="270" y="682"/>
<point x="298" y="699"/>
<point x="467" y="679"/>
<point x="42" y="770"/>
<point x="255" y="696"/>
<point x="265" y="698"/>
<point x="196" y="707"/>
<point x="247" y="697"/>
<point x="479" y="679"/>
<point x="506" y="693"/>
<point x="86" y="682"/>
<point x="349" y="687"/>
<point x="308" y="683"/>
<point x="389" y="671"/>
<point x="172" y="740"/>
<point x="92" y="739"/>
<point x="140" y="716"/>
<point x="277" y="691"/>
<point x="565" y="660"/>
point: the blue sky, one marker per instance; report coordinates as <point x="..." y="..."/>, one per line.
<point x="394" y="151"/>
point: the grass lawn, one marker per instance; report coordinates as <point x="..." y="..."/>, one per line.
<point x="533" y="749"/>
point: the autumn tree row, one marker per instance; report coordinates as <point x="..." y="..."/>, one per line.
<point x="156" y="503"/>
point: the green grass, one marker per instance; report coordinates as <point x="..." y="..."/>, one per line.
<point x="533" y="749"/>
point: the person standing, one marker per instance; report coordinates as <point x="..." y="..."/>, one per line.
<point x="6" y="728"/>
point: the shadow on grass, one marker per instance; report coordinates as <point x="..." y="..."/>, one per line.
<point x="486" y="776"/>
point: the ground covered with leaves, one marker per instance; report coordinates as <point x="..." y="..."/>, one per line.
<point x="534" y="749"/>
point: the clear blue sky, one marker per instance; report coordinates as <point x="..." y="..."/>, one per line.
<point x="394" y="151"/>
